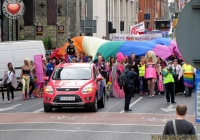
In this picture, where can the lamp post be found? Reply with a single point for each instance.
(160, 9)
(107, 34)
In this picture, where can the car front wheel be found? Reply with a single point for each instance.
(47, 109)
(101, 103)
(95, 105)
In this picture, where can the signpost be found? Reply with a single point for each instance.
(39, 30)
(187, 36)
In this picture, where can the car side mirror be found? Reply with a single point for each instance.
(46, 78)
(99, 78)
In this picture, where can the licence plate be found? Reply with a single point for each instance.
(67, 98)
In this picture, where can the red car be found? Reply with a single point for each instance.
(74, 85)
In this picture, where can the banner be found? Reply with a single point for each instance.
(165, 34)
(129, 37)
(137, 28)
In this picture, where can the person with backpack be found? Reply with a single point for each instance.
(128, 87)
(119, 67)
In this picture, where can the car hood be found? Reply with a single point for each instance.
(70, 83)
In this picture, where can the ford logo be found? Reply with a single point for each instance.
(67, 89)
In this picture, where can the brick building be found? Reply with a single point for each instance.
(149, 10)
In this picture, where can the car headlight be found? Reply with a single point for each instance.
(87, 89)
(49, 90)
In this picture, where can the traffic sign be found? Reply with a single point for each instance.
(187, 33)
(187, 37)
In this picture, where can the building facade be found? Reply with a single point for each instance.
(97, 13)
(151, 10)
(123, 10)
(63, 19)
(57, 19)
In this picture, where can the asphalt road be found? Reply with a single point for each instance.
(26, 120)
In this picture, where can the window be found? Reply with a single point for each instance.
(94, 26)
(59, 9)
(72, 74)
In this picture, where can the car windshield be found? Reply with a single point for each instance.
(72, 74)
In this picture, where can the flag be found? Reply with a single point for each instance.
(28, 14)
(134, 31)
(51, 12)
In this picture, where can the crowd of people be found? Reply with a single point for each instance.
(152, 75)
(155, 76)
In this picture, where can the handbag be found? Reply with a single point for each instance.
(5, 81)
(160, 84)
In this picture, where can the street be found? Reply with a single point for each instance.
(26, 120)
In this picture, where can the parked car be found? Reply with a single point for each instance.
(74, 85)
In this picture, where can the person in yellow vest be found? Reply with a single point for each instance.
(141, 68)
(168, 81)
(188, 78)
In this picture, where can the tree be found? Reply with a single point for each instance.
(47, 43)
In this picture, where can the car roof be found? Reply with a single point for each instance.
(75, 65)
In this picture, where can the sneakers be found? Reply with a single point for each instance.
(127, 110)
(31, 97)
(9, 102)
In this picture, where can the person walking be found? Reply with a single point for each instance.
(142, 82)
(179, 126)
(10, 82)
(188, 78)
(117, 91)
(50, 68)
(112, 61)
(128, 89)
(25, 78)
(168, 81)
(103, 69)
(151, 71)
(32, 75)
(134, 62)
(178, 72)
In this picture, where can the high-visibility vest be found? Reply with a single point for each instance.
(169, 78)
(188, 69)
(141, 70)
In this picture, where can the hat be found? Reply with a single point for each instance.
(120, 56)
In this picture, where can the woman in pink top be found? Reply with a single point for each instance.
(151, 71)
(116, 90)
